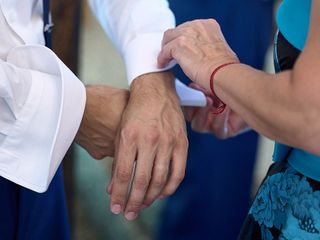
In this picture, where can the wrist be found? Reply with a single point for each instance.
(218, 104)
(155, 85)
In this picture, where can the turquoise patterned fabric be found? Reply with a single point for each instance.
(287, 207)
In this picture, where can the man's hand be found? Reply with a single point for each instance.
(203, 120)
(152, 133)
(104, 107)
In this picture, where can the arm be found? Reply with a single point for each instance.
(285, 107)
(152, 129)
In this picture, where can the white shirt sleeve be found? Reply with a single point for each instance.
(136, 28)
(42, 104)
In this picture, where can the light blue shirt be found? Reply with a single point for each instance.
(293, 22)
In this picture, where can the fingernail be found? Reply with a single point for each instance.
(130, 216)
(116, 209)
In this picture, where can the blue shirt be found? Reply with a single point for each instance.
(293, 22)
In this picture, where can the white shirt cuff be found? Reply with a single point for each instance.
(141, 55)
(34, 149)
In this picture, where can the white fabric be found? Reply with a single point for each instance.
(136, 28)
(41, 100)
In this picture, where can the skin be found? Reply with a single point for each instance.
(151, 134)
(101, 119)
(279, 106)
(147, 129)
(203, 120)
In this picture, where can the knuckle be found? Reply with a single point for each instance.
(167, 32)
(159, 182)
(197, 22)
(141, 181)
(169, 139)
(183, 140)
(123, 175)
(129, 134)
(213, 23)
(178, 178)
(152, 136)
(182, 41)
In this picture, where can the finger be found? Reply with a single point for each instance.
(169, 35)
(159, 174)
(202, 118)
(126, 154)
(171, 50)
(219, 124)
(109, 188)
(190, 112)
(141, 181)
(236, 124)
(165, 55)
(178, 168)
(110, 185)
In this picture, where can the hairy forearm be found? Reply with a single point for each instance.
(155, 86)
(273, 105)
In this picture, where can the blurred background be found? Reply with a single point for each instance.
(92, 56)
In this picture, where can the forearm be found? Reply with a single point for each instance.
(273, 105)
(286, 106)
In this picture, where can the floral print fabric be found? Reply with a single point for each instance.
(287, 207)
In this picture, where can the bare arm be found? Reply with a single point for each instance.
(285, 107)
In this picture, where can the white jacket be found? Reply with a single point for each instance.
(41, 100)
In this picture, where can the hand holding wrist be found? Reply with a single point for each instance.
(103, 111)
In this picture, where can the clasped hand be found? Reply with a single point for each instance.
(146, 134)
(199, 47)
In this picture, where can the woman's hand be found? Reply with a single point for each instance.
(199, 47)
(225, 125)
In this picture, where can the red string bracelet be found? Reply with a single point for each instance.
(217, 103)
